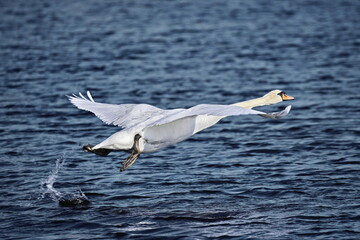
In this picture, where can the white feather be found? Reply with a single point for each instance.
(89, 96)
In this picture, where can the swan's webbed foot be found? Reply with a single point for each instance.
(133, 156)
(101, 151)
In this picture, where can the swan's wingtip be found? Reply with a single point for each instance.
(81, 97)
(287, 110)
(276, 115)
(89, 96)
(72, 97)
(284, 112)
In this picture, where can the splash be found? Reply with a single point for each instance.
(64, 199)
(47, 186)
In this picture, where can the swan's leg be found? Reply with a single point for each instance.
(133, 156)
(101, 151)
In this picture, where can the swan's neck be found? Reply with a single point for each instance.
(203, 122)
(257, 102)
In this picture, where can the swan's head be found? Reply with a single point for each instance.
(276, 96)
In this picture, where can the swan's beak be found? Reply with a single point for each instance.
(286, 97)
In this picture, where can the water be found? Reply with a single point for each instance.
(245, 178)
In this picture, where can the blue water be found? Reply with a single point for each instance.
(245, 178)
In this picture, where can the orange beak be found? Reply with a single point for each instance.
(286, 97)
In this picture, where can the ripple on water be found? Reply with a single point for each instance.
(244, 178)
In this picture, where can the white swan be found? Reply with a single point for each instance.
(147, 128)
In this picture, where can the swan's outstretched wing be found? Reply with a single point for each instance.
(216, 110)
(123, 115)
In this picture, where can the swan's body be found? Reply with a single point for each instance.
(148, 128)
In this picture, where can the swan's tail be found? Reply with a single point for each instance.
(101, 151)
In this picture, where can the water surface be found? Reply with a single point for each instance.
(245, 178)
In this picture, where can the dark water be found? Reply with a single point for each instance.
(245, 178)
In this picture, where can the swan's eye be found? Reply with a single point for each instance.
(281, 93)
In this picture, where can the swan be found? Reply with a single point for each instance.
(147, 128)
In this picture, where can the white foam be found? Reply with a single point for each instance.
(47, 185)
